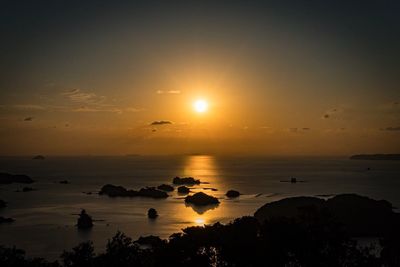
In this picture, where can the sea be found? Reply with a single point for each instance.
(45, 218)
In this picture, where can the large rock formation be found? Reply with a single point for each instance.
(40, 157)
(7, 178)
(3, 204)
(185, 180)
(119, 191)
(360, 216)
(201, 199)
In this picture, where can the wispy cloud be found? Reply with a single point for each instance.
(172, 92)
(77, 95)
(24, 107)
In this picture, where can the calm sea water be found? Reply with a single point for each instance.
(45, 218)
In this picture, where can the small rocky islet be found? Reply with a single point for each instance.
(85, 221)
(7, 178)
(183, 190)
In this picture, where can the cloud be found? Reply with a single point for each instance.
(392, 128)
(132, 109)
(172, 92)
(28, 119)
(306, 129)
(78, 96)
(24, 107)
(160, 122)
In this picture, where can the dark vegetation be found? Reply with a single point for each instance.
(317, 240)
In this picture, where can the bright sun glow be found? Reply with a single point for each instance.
(200, 105)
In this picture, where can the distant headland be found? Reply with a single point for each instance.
(376, 157)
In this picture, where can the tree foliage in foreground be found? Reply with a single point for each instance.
(316, 240)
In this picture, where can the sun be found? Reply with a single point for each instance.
(200, 105)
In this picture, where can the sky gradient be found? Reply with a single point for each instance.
(280, 77)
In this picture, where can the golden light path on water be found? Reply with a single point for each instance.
(201, 167)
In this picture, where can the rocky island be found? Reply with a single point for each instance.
(7, 178)
(185, 181)
(201, 199)
(120, 191)
(376, 157)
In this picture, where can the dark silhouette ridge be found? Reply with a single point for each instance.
(64, 182)
(119, 191)
(40, 157)
(201, 199)
(360, 216)
(183, 190)
(84, 221)
(6, 178)
(185, 181)
(376, 157)
(232, 194)
(165, 187)
(152, 213)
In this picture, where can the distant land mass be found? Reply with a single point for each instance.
(376, 157)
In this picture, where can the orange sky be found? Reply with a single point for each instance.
(275, 84)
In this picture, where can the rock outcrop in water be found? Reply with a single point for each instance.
(232, 193)
(84, 221)
(201, 199)
(152, 213)
(360, 216)
(183, 190)
(64, 182)
(39, 157)
(7, 178)
(185, 181)
(119, 191)
(6, 220)
(166, 187)
(3, 204)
